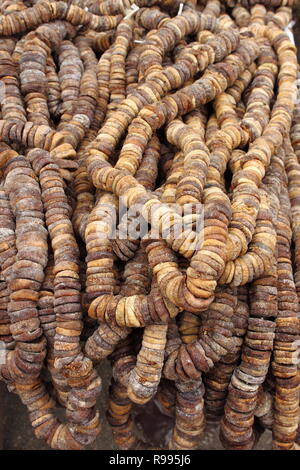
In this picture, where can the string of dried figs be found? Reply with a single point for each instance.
(149, 214)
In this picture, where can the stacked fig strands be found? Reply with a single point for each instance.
(183, 113)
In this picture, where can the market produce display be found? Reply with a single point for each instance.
(150, 214)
